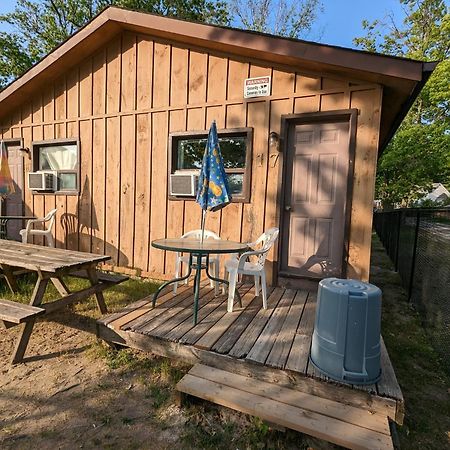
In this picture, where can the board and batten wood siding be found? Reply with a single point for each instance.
(122, 103)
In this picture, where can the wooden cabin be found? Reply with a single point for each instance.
(127, 101)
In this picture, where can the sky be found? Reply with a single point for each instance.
(341, 19)
(338, 25)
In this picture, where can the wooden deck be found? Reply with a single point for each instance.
(270, 345)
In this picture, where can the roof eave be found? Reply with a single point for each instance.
(245, 43)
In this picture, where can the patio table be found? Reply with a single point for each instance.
(197, 250)
(4, 223)
(51, 264)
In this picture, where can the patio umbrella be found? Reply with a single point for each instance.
(6, 182)
(213, 192)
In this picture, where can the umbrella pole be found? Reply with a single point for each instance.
(203, 223)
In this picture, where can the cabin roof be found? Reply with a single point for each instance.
(401, 78)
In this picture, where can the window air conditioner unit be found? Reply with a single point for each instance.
(183, 184)
(43, 181)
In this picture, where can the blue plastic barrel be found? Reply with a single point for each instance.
(346, 339)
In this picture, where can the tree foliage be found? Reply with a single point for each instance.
(41, 25)
(13, 60)
(291, 18)
(418, 155)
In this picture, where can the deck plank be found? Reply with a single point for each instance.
(229, 338)
(142, 309)
(184, 327)
(123, 312)
(193, 335)
(388, 385)
(280, 350)
(371, 388)
(179, 318)
(250, 335)
(313, 372)
(264, 343)
(224, 323)
(186, 302)
(159, 309)
(346, 413)
(293, 417)
(299, 355)
(164, 302)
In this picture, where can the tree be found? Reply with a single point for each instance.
(41, 25)
(13, 59)
(418, 156)
(289, 18)
(419, 153)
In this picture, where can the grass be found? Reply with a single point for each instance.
(157, 374)
(425, 384)
(116, 297)
(430, 293)
(211, 427)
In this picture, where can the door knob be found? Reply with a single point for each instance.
(287, 208)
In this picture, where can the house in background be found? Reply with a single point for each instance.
(127, 101)
(438, 195)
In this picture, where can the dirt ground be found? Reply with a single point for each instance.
(72, 391)
(68, 397)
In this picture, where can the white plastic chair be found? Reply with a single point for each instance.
(47, 233)
(242, 266)
(214, 262)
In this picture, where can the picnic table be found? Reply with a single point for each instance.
(50, 264)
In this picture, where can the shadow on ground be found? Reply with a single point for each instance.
(75, 392)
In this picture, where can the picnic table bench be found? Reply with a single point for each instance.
(50, 264)
(14, 313)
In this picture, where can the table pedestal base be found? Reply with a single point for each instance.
(198, 266)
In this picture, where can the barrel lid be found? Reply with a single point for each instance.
(349, 286)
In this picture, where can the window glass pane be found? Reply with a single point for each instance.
(190, 153)
(233, 151)
(67, 181)
(58, 157)
(235, 183)
(191, 150)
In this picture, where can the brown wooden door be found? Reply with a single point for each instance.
(315, 199)
(14, 202)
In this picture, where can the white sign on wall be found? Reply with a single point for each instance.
(257, 87)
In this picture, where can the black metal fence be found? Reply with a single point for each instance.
(418, 243)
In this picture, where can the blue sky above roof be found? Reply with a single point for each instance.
(338, 25)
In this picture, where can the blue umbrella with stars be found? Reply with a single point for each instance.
(213, 192)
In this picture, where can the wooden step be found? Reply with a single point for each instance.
(325, 419)
(16, 313)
